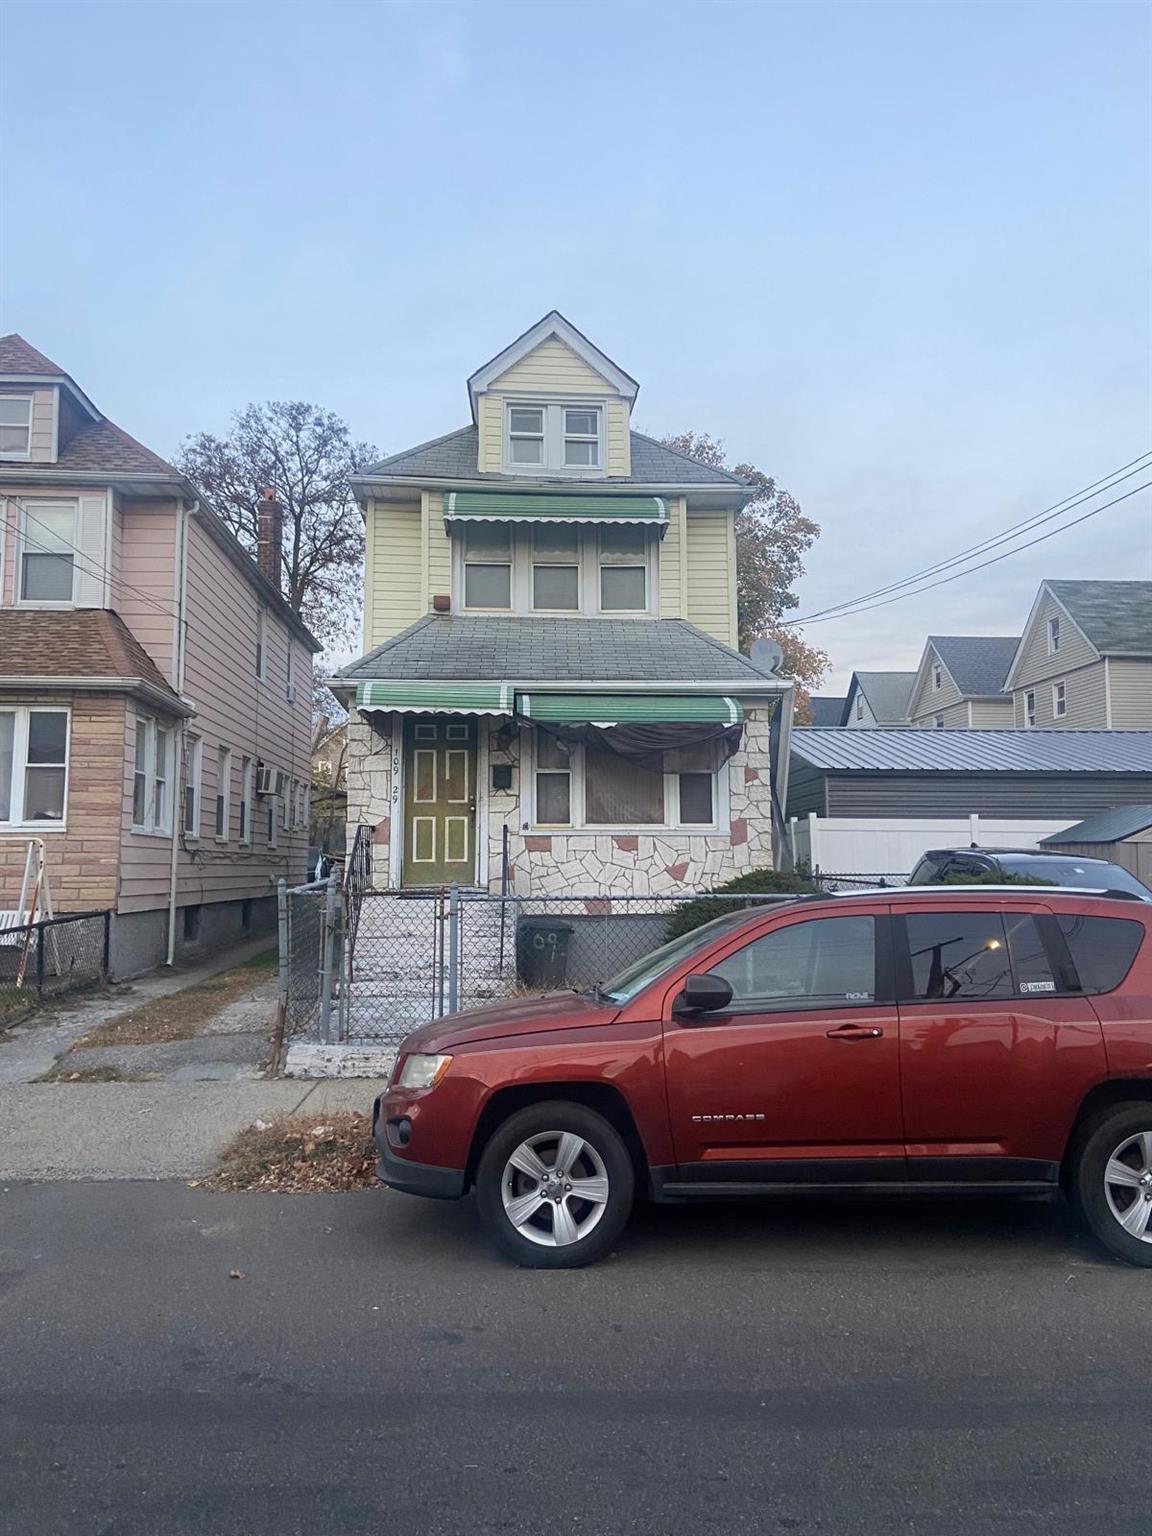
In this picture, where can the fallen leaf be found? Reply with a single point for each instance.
(236, 1274)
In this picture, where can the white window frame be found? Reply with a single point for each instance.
(937, 677)
(9, 455)
(261, 644)
(193, 778)
(286, 802)
(721, 803)
(273, 822)
(223, 793)
(246, 802)
(1053, 633)
(289, 676)
(158, 786)
(1059, 700)
(555, 437)
(588, 561)
(1029, 708)
(859, 706)
(27, 507)
(18, 786)
(937, 722)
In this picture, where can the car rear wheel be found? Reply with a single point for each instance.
(555, 1186)
(1112, 1182)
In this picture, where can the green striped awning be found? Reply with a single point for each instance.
(518, 507)
(436, 698)
(627, 709)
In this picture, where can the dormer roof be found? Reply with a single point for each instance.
(553, 326)
(22, 363)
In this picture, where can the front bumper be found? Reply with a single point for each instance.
(414, 1178)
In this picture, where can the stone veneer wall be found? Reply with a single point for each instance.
(582, 863)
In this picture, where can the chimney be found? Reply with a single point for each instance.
(269, 536)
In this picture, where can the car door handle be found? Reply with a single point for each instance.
(855, 1032)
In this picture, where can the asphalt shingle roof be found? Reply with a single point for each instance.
(1116, 616)
(20, 356)
(1027, 751)
(887, 693)
(978, 664)
(1105, 827)
(83, 642)
(826, 712)
(454, 457)
(474, 647)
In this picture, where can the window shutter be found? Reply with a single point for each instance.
(90, 587)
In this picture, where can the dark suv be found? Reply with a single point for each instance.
(958, 866)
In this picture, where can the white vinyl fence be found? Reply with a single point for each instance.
(859, 844)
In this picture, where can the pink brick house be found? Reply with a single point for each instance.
(155, 687)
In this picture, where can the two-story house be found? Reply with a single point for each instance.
(155, 688)
(551, 693)
(959, 683)
(1085, 658)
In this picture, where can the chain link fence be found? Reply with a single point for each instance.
(309, 934)
(50, 958)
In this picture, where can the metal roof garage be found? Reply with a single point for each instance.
(911, 773)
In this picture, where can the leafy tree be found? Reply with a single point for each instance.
(306, 455)
(772, 538)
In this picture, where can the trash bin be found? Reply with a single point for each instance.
(542, 952)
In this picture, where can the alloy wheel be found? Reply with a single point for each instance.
(1128, 1185)
(555, 1188)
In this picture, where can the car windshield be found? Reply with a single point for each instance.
(1077, 872)
(623, 987)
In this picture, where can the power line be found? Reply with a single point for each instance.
(971, 571)
(993, 541)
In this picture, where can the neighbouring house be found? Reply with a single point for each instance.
(329, 786)
(875, 800)
(824, 712)
(1123, 835)
(1085, 658)
(877, 698)
(155, 688)
(960, 683)
(551, 694)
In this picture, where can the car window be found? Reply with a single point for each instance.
(631, 981)
(927, 871)
(962, 865)
(958, 955)
(1031, 964)
(826, 962)
(1102, 948)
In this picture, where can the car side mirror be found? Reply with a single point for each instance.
(703, 994)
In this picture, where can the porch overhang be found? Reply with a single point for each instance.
(432, 697)
(520, 507)
(629, 709)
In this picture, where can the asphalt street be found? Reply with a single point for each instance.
(836, 1368)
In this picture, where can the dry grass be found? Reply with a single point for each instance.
(183, 1015)
(299, 1155)
(60, 1074)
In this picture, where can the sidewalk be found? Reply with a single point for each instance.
(147, 1130)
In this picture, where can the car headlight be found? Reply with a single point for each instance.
(422, 1071)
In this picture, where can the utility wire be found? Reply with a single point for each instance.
(993, 541)
(971, 570)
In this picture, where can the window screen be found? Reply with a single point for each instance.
(620, 793)
(958, 955)
(1103, 948)
(828, 962)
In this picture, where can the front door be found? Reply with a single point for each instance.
(439, 802)
(798, 1080)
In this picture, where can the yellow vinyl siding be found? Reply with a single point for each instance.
(927, 701)
(490, 422)
(669, 555)
(394, 571)
(437, 549)
(1131, 688)
(618, 446)
(1084, 697)
(711, 569)
(552, 368)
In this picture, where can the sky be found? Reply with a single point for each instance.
(898, 255)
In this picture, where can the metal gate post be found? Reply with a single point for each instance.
(282, 938)
(453, 948)
(327, 958)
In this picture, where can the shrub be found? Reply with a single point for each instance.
(993, 877)
(757, 882)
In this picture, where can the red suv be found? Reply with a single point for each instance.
(929, 1041)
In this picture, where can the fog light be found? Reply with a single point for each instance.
(399, 1132)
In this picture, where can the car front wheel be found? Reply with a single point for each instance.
(1112, 1182)
(555, 1186)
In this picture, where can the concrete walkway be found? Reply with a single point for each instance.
(147, 1130)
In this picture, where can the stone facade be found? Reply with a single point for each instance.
(578, 863)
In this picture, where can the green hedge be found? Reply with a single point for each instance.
(757, 882)
(993, 877)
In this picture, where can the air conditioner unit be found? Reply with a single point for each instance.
(270, 781)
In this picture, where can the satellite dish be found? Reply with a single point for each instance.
(767, 654)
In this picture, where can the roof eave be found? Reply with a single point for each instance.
(740, 495)
(54, 380)
(140, 687)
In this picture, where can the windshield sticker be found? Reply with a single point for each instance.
(1037, 986)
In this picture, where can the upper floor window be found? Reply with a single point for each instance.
(261, 646)
(938, 722)
(554, 438)
(15, 426)
(193, 764)
(47, 551)
(1030, 707)
(859, 706)
(1059, 700)
(33, 765)
(937, 677)
(1053, 634)
(556, 568)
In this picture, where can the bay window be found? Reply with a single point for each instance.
(33, 765)
(47, 548)
(152, 777)
(579, 787)
(556, 567)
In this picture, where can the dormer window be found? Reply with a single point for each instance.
(556, 439)
(1053, 634)
(15, 426)
(937, 678)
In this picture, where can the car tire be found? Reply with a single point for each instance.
(532, 1180)
(1111, 1181)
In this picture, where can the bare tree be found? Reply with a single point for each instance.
(307, 456)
